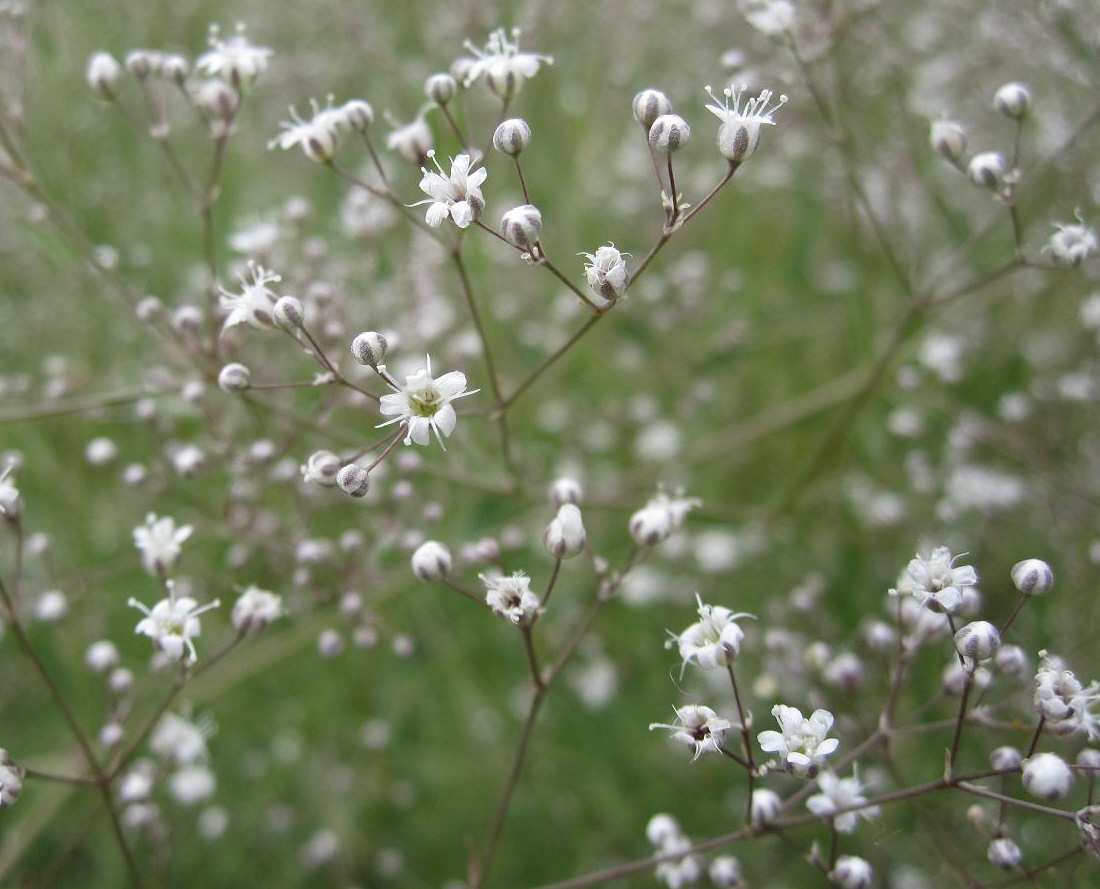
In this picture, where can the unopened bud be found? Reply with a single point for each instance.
(650, 104)
(175, 68)
(1004, 853)
(851, 872)
(1012, 100)
(521, 226)
(978, 640)
(11, 779)
(948, 140)
(358, 114)
(139, 62)
(564, 537)
(669, 133)
(321, 468)
(566, 490)
(103, 75)
(1046, 776)
(369, 348)
(431, 561)
(234, 377)
(1032, 577)
(288, 312)
(1005, 758)
(988, 170)
(353, 479)
(512, 136)
(440, 88)
(650, 525)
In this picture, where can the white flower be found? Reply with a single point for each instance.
(319, 136)
(841, 793)
(192, 784)
(1072, 243)
(235, 60)
(412, 140)
(565, 537)
(180, 740)
(423, 404)
(457, 195)
(504, 67)
(711, 642)
(698, 727)
(769, 17)
(851, 872)
(160, 542)
(739, 133)
(934, 581)
(11, 504)
(661, 516)
(172, 623)
(431, 561)
(511, 598)
(11, 779)
(255, 609)
(679, 872)
(802, 744)
(1046, 776)
(606, 272)
(1064, 702)
(254, 304)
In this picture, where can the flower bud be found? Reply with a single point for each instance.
(988, 170)
(978, 640)
(358, 114)
(101, 656)
(1046, 776)
(521, 226)
(440, 88)
(431, 561)
(1089, 758)
(650, 525)
(765, 806)
(512, 136)
(948, 140)
(175, 68)
(669, 133)
(564, 537)
(11, 779)
(353, 479)
(1004, 853)
(566, 490)
(322, 468)
(216, 101)
(369, 348)
(662, 829)
(140, 63)
(648, 105)
(725, 871)
(1012, 100)
(1005, 758)
(851, 872)
(104, 75)
(1011, 660)
(288, 312)
(1032, 577)
(234, 378)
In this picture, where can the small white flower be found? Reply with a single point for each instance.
(502, 65)
(511, 598)
(711, 642)
(1064, 702)
(160, 542)
(235, 60)
(606, 272)
(1046, 776)
(457, 195)
(172, 623)
(841, 793)
(934, 581)
(770, 17)
(1072, 243)
(181, 740)
(679, 872)
(739, 132)
(802, 744)
(319, 137)
(661, 516)
(431, 561)
(565, 537)
(423, 404)
(11, 779)
(697, 726)
(255, 609)
(192, 784)
(11, 504)
(254, 304)
(412, 140)
(852, 872)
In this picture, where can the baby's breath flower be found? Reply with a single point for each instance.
(234, 377)
(766, 805)
(431, 561)
(160, 543)
(988, 170)
(770, 17)
(948, 140)
(661, 516)
(423, 404)
(254, 304)
(1046, 776)
(648, 105)
(697, 726)
(564, 537)
(711, 642)
(606, 272)
(669, 133)
(801, 744)
(321, 468)
(181, 740)
(11, 779)
(172, 623)
(502, 65)
(413, 140)
(457, 195)
(255, 609)
(521, 226)
(1072, 243)
(512, 136)
(1004, 853)
(934, 581)
(104, 75)
(1064, 702)
(739, 132)
(1012, 100)
(841, 793)
(234, 60)
(851, 872)
(511, 598)
(319, 137)
(1032, 577)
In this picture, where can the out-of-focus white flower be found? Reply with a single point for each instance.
(412, 140)
(11, 779)
(713, 641)
(502, 65)
(739, 132)
(661, 516)
(423, 404)
(457, 195)
(192, 784)
(841, 793)
(851, 872)
(511, 598)
(1046, 776)
(256, 301)
(233, 60)
(180, 740)
(565, 537)
(697, 726)
(160, 543)
(802, 744)
(172, 623)
(1072, 242)
(1064, 702)
(319, 136)
(769, 17)
(255, 609)
(934, 581)
(104, 74)
(606, 272)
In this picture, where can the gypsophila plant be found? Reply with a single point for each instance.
(380, 391)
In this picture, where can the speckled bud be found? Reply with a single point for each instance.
(648, 105)
(669, 133)
(512, 136)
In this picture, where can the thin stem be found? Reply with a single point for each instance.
(549, 362)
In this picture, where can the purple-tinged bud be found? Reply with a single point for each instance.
(369, 348)
(353, 479)
(521, 226)
(1032, 577)
(988, 170)
(978, 640)
(1012, 100)
(104, 75)
(948, 140)
(648, 105)
(235, 378)
(669, 133)
(512, 136)
(440, 88)
(288, 312)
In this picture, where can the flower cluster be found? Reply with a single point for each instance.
(935, 582)
(801, 744)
